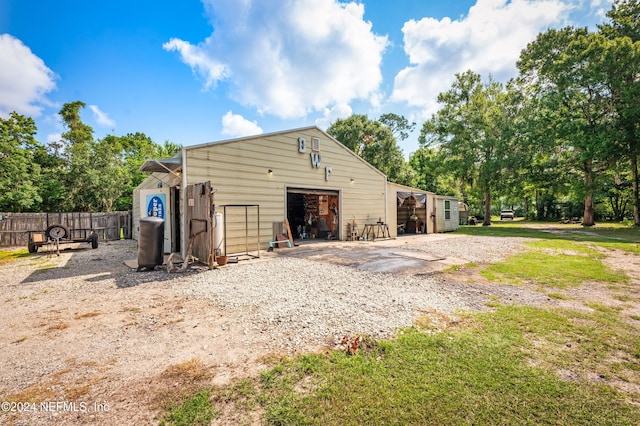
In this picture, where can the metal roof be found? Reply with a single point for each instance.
(163, 165)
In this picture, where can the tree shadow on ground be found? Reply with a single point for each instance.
(601, 233)
(97, 266)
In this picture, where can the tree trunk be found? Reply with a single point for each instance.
(634, 172)
(589, 219)
(487, 208)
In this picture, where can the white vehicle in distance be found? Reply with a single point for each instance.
(507, 214)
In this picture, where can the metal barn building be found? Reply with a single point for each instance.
(240, 194)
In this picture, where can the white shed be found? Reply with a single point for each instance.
(447, 213)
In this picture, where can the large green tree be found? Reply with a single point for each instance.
(100, 175)
(398, 124)
(19, 172)
(374, 142)
(136, 148)
(567, 68)
(429, 163)
(81, 177)
(543, 178)
(75, 173)
(622, 61)
(474, 131)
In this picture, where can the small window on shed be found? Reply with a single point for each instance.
(447, 210)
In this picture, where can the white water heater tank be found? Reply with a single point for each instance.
(218, 233)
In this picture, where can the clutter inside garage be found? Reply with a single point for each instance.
(412, 213)
(313, 215)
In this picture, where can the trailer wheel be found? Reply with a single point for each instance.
(56, 232)
(32, 248)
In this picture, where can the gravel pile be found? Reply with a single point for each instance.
(298, 301)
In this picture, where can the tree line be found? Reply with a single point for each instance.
(562, 139)
(76, 173)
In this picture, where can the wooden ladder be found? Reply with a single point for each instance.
(353, 231)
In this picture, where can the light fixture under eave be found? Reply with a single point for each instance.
(352, 180)
(270, 172)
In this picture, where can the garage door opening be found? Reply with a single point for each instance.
(412, 213)
(313, 214)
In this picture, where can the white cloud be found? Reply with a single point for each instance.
(101, 117)
(54, 137)
(24, 78)
(487, 41)
(198, 60)
(332, 114)
(236, 125)
(288, 58)
(600, 7)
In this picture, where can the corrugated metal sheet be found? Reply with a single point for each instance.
(199, 221)
(259, 170)
(239, 172)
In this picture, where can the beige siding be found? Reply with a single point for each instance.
(432, 213)
(238, 171)
(392, 210)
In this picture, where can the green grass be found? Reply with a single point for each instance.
(558, 296)
(513, 365)
(10, 255)
(554, 263)
(631, 248)
(481, 373)
(196, 410)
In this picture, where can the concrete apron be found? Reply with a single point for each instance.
(376, 256)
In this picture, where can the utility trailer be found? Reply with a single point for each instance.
(60, 234)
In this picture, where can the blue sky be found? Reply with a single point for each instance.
(194, 71)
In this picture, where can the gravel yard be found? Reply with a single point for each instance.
(85, 327)
(309, 301)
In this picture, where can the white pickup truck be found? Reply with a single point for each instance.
(507, 214)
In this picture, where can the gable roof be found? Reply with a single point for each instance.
(283, 132)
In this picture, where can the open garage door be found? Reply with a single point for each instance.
(314, 213)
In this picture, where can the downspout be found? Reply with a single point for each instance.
(183, 206)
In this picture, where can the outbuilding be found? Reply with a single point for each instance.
(415, 211)
(239, 196)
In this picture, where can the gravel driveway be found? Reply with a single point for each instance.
(84, 326)
(311, 296)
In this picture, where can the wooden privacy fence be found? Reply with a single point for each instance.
(15, 227)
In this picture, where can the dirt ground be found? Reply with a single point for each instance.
(87, 340)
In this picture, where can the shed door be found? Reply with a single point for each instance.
(199, 230)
